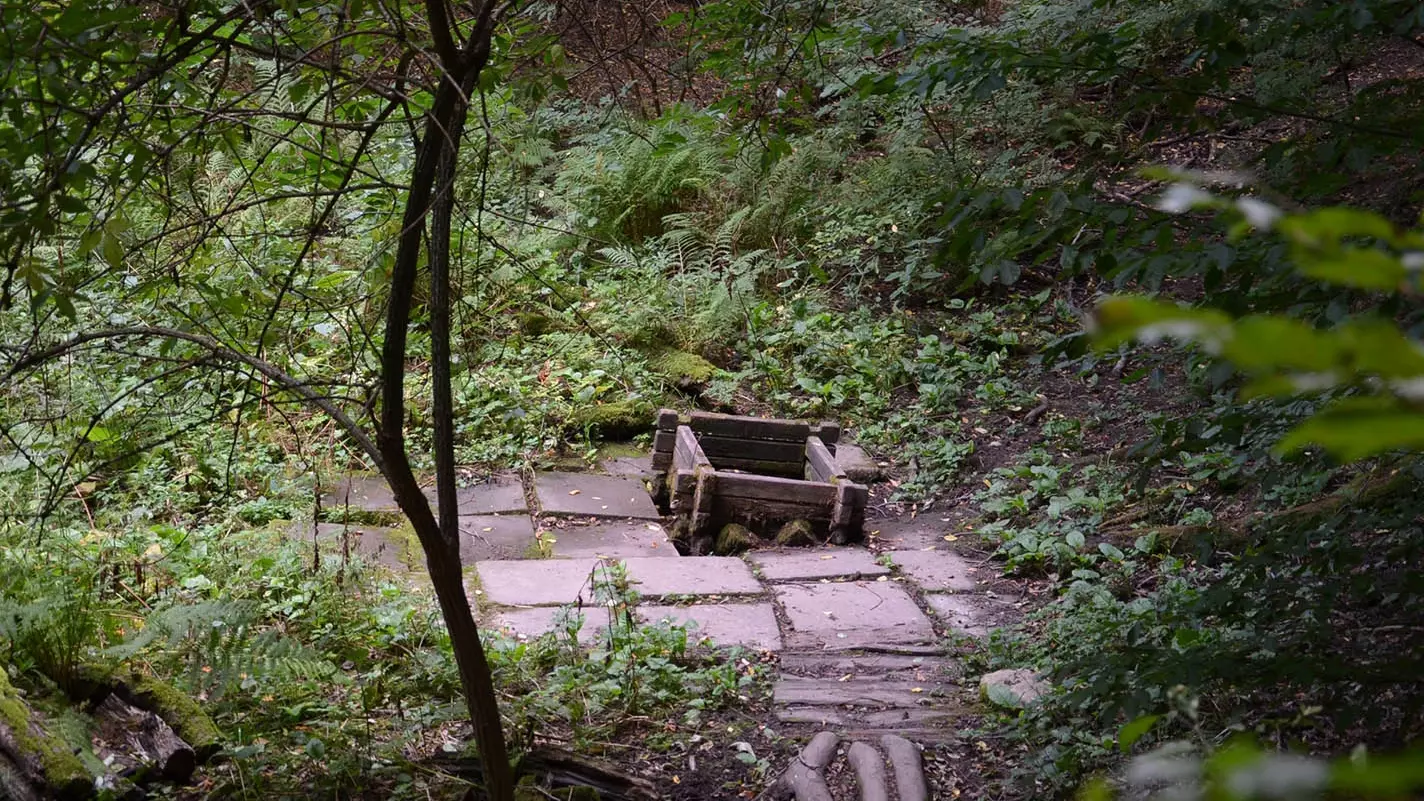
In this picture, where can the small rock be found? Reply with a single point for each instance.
(857, 466)
(1012, 689)
(733, 539)
(796, 534)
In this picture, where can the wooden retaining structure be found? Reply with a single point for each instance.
(721, 469)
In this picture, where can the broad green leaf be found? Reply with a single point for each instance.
(1120, 319)
(1397, 775)
(1263, 343)
(1129, 734)
(1357, 428)
(1326, 227)
(1363, 268)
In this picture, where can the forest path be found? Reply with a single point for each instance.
(858, 633)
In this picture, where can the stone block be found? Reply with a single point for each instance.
(701, 575)
(747, 625)
(817, 563)
(852, 615)
(936, 571)
(591, 495)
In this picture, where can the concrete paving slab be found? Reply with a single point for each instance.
(361, 493)
(536, 582)
(699, 575)
(535, 621)
(747, 625)
(373, 543)
(803, 564)
(620, 539)
(890, 667)
(484, 537)
(936, 570)
(631, 466)
(841, 616)
(502, 493)
(974, 614)
(870, 692)
(911, 533)
(588, 494)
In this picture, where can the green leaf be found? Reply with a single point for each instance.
(1129, 734)
(1263, 343)
(1363, 268)
(112, 250)
(1120, 319)
(1398, 775)
(1326, 227)
(1357, 428)
(1110, 551)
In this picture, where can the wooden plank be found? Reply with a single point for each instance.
(727, 425)
(772, 488)
(820, 463)
(830, 434)
(664, 441)
(662, 460)
(668, 420)
(760, 510)
(688, 452)
(759, 467)
(683, 482)
(758, 449)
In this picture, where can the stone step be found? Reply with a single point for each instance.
(872, 693)
(893, 667)
(851, 616)
(616, 539)
(592, 495)
(552, 582)
(498, 494)
(749, 625)
(810, 564)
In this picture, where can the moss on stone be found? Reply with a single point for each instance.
(733, 539)
(618, 420)
(179, 710)
(533, 323)
(796, 534)
(62, 770)
(408, 548)
(681, 367)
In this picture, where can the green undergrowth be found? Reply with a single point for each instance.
(326, 675)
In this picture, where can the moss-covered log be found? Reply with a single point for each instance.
(177, 709)
(42, 757)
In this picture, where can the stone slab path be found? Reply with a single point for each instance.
(859, 636)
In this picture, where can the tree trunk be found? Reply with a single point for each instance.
(431, 190)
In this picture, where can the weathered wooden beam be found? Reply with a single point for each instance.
(761, 449)
(688, 451)
(768, 511)
(772, 488)
(668, 420)
(703, 498)
(829, 433)
(727, 425)
(761, 467)
(820, 464)
(664, 441)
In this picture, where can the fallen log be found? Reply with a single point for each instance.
(42, 759)
(140, 744)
